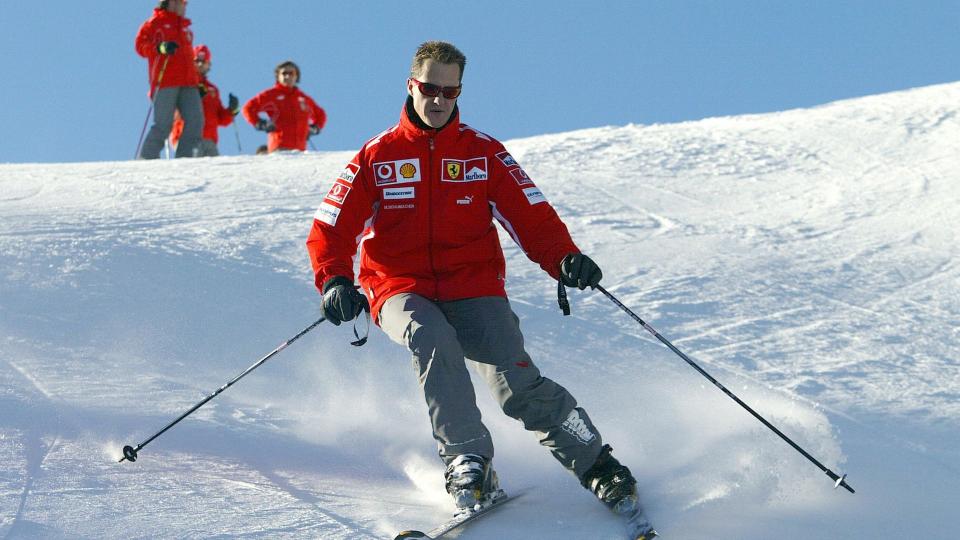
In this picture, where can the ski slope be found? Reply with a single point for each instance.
(808, 259)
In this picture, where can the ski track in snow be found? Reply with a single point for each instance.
(807, 259)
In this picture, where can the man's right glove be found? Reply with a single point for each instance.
(342, 301)
(312, 130)
(167, 47)
(265, 125)
(233, 104)
(578, 270)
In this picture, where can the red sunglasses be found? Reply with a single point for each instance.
(432, 90)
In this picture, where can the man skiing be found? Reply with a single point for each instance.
(166, 41)
(215, 114)
(292, 115)
(420, 198)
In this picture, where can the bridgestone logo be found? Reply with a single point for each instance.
(575, 426)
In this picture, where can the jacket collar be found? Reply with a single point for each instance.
(295, 90)
(164, 14)
(413, 127)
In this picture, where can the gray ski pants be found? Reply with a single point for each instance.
(440, 335)
(185, 99)
(206, 148)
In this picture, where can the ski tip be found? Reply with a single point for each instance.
(410, 534)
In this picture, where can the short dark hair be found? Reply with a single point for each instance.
(438, 51)
(286, 64)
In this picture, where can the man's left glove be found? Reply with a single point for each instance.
(578, 270)
(314, 130)
(233, 104)
(342, 301)
(167, 47)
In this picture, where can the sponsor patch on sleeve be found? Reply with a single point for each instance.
(507, 159)
(534, 195)
(521, 177)
(327, 213)
(401, 171)
(349, 173)
(338, 193)
(464, 170)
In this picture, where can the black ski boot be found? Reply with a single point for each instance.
(612, 483)
(471, 480)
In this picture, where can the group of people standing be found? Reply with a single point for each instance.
(187, 107)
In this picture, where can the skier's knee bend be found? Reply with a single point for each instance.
(541, 405)
(434, 341)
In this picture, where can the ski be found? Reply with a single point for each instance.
(498, 499)
(639, 527)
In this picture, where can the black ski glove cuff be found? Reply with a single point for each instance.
(578, 270)
(342, 301)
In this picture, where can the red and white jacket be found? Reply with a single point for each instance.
(215, 115)
(292, 113)
(167, 26)
(421, 204)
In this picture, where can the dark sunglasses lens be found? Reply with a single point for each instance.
(429, 90)
(451, 92)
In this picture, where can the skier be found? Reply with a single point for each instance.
(166, 41)
(422, 196)
(214, 113)
(292, 116)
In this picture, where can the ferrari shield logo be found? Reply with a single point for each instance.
(453, 169)
(464, 170)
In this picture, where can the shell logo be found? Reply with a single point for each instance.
(408, 170)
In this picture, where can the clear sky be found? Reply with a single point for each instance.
(73, 88)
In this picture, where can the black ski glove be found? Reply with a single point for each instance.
(167, 47)
(202, 88)
(314, 130)
(578, 270)
(342, 301)
(265, 125)
(233, 104)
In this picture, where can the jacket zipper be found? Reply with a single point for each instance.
(429, 175)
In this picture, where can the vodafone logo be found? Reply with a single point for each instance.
(400, 171)
(338, 193)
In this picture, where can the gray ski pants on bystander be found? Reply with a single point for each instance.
(441, 335)
(185, 99)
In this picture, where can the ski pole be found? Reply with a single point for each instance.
(130, 452)
(153, 101)
(236, 131)
(838, 479)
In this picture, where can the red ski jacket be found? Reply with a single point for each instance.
(168, 26)
(421, 204)
(215, 114)
(292, 112)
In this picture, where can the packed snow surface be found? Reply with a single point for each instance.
(807, 259)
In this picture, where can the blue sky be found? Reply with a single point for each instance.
(75, 90)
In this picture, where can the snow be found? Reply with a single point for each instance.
(807, 259)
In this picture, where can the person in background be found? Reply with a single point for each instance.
(291, 115)
(215, 114)
(423, 197)
(166, 41)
